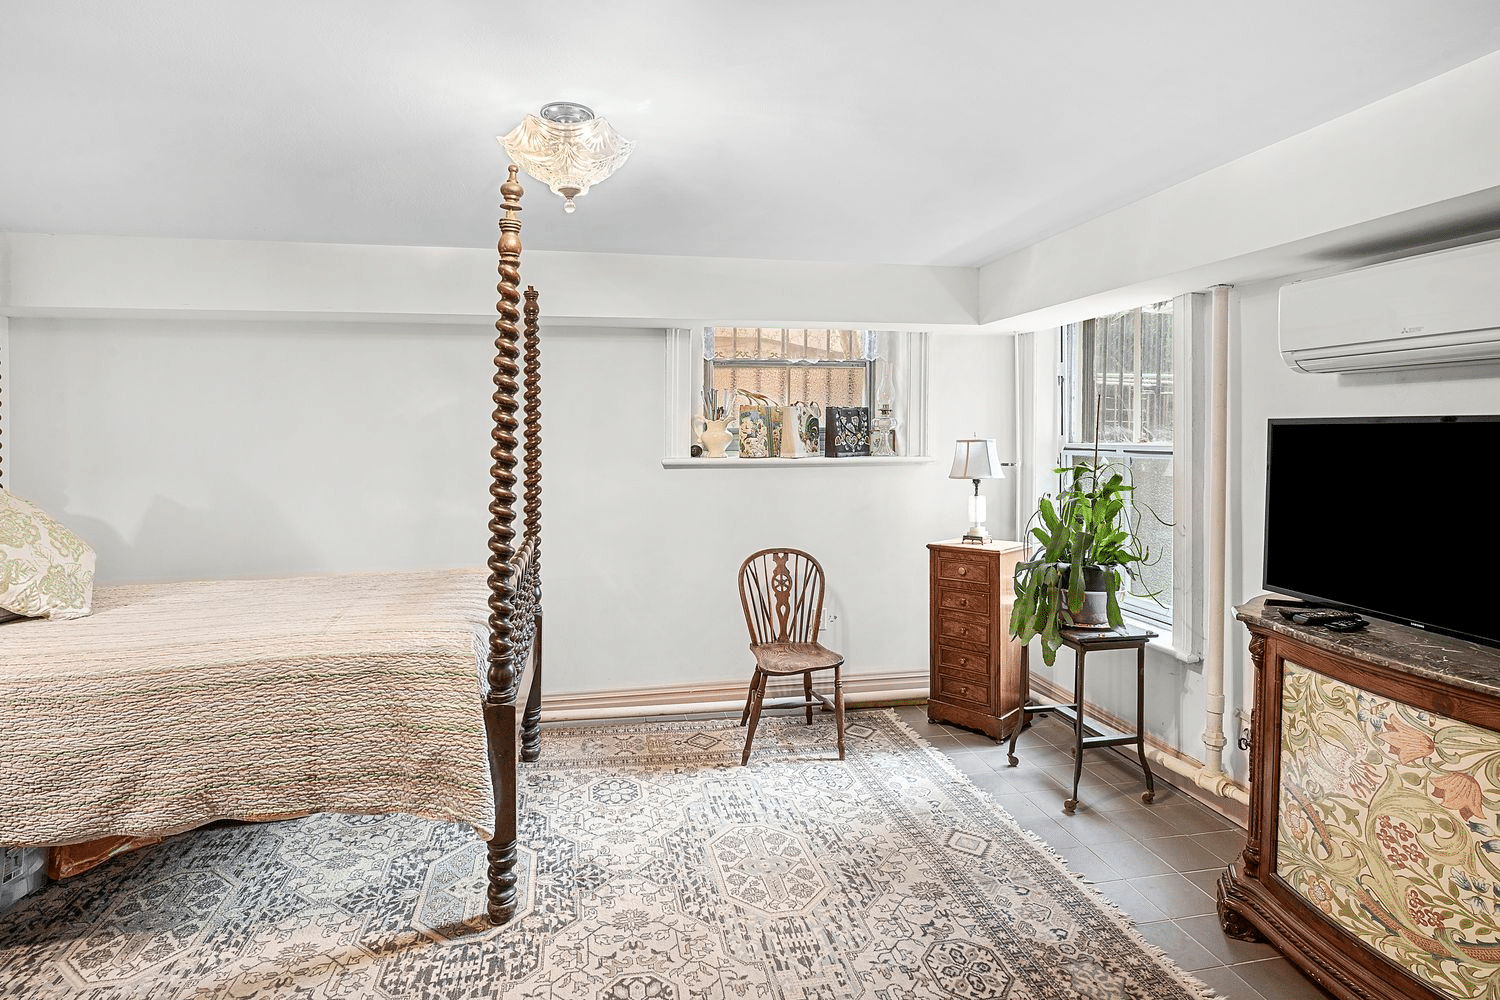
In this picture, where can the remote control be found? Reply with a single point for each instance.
(1322, 616)
(1347, 625)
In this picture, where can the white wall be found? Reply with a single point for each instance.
(1415, 167)
(49, 275)
(4, 396)
(192, 448)
(1416, 170)
(186, 448)
(1264, 388)
(202, 408)
(639, 561)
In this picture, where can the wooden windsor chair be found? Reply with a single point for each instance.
(781, 591)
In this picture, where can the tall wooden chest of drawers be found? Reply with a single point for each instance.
(977, 680)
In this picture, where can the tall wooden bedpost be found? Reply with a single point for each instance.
(531, 732)
(500, 694)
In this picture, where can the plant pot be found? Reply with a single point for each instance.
(1095, 610)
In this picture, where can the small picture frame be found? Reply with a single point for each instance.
(846, 431)
(755, 432)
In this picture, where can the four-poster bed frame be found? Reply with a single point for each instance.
(427, 628)
(515, 651)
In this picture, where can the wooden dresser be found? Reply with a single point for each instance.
(976, 671)
(1374, 773)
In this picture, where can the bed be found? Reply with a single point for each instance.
(173, 705)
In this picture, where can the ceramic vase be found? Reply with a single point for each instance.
(714, 435)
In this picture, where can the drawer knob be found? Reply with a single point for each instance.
(963, 602)
(963, 661)
(963, 571)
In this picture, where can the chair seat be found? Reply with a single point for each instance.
(794, 657)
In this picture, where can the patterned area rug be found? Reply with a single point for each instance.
(655, 868)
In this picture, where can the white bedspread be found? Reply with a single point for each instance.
(176, 704)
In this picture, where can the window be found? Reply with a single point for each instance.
(1119, 402)
(881, 370)
(827, 367)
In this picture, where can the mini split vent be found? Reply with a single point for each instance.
(1439, 308)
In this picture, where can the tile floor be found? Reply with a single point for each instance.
(1159, 863)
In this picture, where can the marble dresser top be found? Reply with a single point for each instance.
(1401, 647)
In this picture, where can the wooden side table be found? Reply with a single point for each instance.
(1086, 737)
(975, 679)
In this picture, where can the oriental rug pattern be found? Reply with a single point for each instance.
(654, 868)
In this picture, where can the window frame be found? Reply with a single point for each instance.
(1190, 348)
(1076, 446)
(869, 366)
(906, 350)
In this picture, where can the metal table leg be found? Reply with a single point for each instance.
(1071, 803)
(1140, 721)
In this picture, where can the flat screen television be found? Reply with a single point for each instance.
(1392, 517)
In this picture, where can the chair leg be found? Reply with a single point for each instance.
(750, 695)
(757, 693)
(807, 696)
(838, 707)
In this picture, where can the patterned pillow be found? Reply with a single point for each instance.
(46, 571)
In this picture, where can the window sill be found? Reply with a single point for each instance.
(1163, 641)
(859, 461)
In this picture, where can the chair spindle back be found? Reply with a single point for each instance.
(781, 591)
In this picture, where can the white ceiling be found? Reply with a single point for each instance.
(935, 133)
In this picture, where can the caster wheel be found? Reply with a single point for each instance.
(1069, 805)
(1148, 797)
(1013, 760)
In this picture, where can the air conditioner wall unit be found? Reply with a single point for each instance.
(1438, 308)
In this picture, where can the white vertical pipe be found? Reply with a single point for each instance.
(1019, 379)
(1212, 776)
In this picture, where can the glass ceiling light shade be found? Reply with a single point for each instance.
(568, 148)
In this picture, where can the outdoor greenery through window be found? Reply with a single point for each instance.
(1118, 399)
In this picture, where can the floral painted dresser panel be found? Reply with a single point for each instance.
(1389, 823)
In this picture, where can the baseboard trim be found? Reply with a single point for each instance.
(861, 690)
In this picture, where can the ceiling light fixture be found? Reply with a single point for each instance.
(568, 148)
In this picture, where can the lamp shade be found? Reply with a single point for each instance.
(568, 148)
(976, 458)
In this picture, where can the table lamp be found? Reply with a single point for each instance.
(976, 459)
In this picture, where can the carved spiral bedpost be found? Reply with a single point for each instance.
(533, 383)
(500, 696)
(531, 722)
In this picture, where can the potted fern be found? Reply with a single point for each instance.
(1086, 550)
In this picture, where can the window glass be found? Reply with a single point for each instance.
(1120, 378)
(1118, 407)
(827, 367)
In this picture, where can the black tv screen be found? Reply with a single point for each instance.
(1393, 517)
